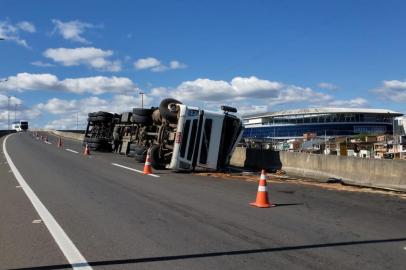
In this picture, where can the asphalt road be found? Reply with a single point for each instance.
(120, 219)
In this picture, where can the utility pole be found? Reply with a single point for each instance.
(8, 113)
(142, 99)
(15, 112)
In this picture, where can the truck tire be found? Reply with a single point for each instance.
(105, 114)
(97, 140)
(166, 113)
(157, 161)
(92, 119)
(103, 118)
(143, 112)
(141, 119)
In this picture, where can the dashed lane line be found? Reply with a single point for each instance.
(72, 254)
(135, 170)
(73, 151)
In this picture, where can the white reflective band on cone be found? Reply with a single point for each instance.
(262, 188)
(263, 177)
(148, 163)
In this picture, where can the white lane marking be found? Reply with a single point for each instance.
(72, 254)
(47, 142)
(73, 151)
(135, 170)
(36, 221)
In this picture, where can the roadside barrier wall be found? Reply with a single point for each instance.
(69, 135)
(5, 132)
(389, 174)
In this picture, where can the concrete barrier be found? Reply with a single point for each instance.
(6, 132)
(68, 135)
(388, 174)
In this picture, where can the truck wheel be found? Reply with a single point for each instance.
(168, 110)
(157, 160)
(143, 112)
(141, 119)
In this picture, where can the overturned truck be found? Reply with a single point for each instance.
(179, 137)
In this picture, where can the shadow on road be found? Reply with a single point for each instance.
(287, 204)
(211, 254)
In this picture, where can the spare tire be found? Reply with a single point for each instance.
(157, 161)
(168, 111)
(143, 112)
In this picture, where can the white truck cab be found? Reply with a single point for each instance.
(204, 140)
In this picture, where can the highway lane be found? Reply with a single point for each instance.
(120, 219)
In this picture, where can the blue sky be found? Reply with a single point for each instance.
(61, 59)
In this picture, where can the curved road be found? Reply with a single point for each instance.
(118, 218)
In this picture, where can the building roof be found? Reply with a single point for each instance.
(322, 111)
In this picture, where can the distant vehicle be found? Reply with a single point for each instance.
(19, 126)
(180, 137)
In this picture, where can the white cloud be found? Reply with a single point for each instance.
(27, 26)
(89, 56)
(241, 89)
(329, 86)
(41, 64)
(394, 90)
(156, 65)
(93, 85)
(356, 103)
(176, 65)
(147, 63)
(68, 110)
(72, 30)
(11, 32)
(4, 101)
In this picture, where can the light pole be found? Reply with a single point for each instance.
(8, 113)
(15, 112)
(77, 120)
(142, 99)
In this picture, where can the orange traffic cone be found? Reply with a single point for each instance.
(147, 166)
(59, 142)
(262, 194)
(87, 151)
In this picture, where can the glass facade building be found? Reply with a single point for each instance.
(329, 121)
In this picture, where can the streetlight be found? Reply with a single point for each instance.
(142, 99)
(8, 104)
(15, 112)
